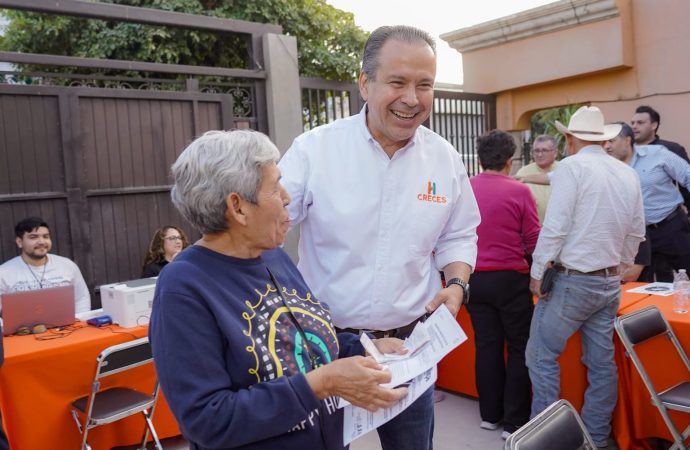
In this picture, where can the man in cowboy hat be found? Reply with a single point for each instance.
(593, 226)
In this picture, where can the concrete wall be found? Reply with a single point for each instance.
(640, 56)
(284, 103)
(283, 93)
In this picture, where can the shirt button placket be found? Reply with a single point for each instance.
(384, 239)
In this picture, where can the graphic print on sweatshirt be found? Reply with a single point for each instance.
(276, 342)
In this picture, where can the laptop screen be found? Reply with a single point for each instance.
(52, 307)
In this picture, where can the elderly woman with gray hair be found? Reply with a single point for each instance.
(246, 356)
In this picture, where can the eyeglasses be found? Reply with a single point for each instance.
(542, 151)
(173, 238)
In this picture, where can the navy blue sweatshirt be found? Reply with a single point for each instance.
(231, 357)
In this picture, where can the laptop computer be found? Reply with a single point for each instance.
(52, 307)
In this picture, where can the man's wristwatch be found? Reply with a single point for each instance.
(464, 286)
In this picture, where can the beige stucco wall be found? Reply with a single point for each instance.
(641, 56)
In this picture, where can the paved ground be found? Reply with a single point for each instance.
(456, 428)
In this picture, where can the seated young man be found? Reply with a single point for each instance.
(36, 268)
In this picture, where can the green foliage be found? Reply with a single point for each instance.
(329, 43)
(542, 122)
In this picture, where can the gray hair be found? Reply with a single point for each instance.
(546, 138)
(215, 165)
(381, 35)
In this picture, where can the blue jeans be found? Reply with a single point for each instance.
(412, 429)
(588, 304)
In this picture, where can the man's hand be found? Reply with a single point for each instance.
(357, 380)
(390, 345)
(535, 287)
(451, 296)
(630, 273)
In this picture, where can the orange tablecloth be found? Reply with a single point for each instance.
(456, 370)
(40, 379)
(636, 419)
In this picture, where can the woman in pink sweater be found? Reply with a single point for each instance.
(501, 304)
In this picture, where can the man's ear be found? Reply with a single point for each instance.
(236, 208)
(18, 241)
(655, 125)
(363, 86)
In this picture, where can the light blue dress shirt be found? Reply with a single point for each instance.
(658, 168)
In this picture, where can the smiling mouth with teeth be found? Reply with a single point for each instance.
(403, 115)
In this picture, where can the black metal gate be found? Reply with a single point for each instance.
(460, 117)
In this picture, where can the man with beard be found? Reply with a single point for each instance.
(645, 124)
(36, 268)
(667, 223)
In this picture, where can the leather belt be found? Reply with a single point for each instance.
(606, 272)
(400, 333)
(667, 219)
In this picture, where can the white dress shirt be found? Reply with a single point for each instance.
(375, 231)
(595, 217)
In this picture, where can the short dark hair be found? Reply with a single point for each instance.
(28, 225)
(653, 114)
(494, 149)
(381, 35)
(626, 131)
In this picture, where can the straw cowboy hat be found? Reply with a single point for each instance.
(588, 124)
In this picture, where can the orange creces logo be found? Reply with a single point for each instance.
(431, 195)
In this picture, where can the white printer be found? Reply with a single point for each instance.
(129, 303)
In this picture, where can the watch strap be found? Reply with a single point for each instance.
(463, 285)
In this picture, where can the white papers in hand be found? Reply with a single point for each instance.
(438, 335)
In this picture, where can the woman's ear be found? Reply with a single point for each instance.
(236, 208)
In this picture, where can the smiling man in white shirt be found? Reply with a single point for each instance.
(384, 205)
(593, 226)
(37, 268)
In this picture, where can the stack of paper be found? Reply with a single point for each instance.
(429, 342)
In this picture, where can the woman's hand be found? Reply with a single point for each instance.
(357, 380)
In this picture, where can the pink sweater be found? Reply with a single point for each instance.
(510, 225)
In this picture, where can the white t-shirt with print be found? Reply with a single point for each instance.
(16, 275)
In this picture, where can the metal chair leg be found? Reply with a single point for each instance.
(85, 445)
(150, 427)
(148, 416)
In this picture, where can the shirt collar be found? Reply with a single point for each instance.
(362, 120)
(640, 151)
(592, 149)
(643, 150)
